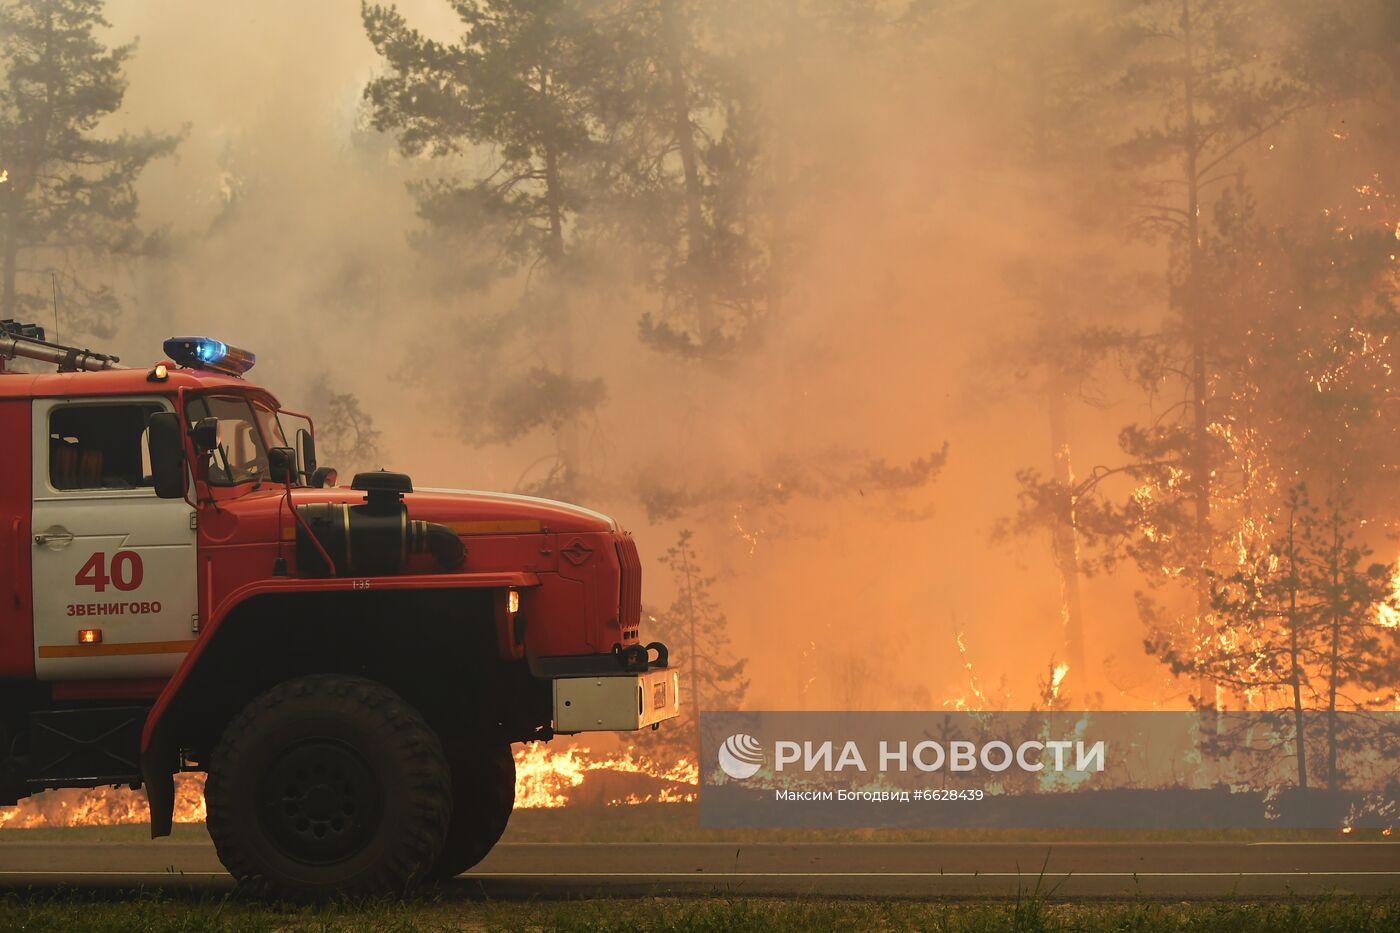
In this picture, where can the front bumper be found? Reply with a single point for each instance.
(620, 702)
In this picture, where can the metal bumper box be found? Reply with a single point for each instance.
(615, 703)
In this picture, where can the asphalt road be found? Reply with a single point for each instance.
(1078, 869)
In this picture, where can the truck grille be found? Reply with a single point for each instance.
(630, 593)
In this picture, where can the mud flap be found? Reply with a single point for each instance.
(158, 776)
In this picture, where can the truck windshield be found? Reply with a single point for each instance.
(246, 430)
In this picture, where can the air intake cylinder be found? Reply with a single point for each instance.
(373, 539)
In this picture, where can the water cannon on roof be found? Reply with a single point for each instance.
(27, 341)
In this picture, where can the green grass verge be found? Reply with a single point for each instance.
(56, 911)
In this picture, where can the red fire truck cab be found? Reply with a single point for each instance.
(191, 591)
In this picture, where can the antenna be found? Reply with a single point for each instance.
(53, 278)
(27, 341)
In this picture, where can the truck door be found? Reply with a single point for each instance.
(113, 566)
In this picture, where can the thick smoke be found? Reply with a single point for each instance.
(287, 230)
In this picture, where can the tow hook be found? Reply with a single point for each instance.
(633, 658)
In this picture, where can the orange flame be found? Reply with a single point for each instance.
(548, 778)
(102, 806)
(545, 777)
(1388, 613)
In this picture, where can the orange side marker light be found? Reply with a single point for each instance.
(89, 636)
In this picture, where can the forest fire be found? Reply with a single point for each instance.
(545, 778)
(1002, 374)
(102, 806)
(1388, 613)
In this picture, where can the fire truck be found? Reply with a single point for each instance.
(189, 590)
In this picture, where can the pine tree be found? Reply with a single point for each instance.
(1215, 92)
(1046, 102)
(1212, 82)
(1265, 624)
(697, 632)
(683, 183)
(1301, 621)
(67, 194)
(346, 437)
(1356, 646)
(519, 88)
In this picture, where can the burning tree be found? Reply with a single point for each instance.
(67, 195)
(1301, 621)
(1216, 88)
(1358, 645)
(1199, 472)
(1078, 297)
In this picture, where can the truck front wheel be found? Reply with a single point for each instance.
(328, 786)
(483, 795)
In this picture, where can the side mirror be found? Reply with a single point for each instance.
(165, 444)
(306, 448)
(282, 465)
(321, 477)
(205, 434)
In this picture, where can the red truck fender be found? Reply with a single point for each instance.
(158, 748)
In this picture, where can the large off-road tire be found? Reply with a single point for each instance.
(483, 796)
(328, 786)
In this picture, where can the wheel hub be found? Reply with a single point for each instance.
(320, 801)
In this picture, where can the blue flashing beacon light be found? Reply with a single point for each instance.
(208, 353)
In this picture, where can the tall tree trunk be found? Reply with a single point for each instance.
(1193, 311)
(697, 680)
(554, 241)
(780, 238)
(566, 439)
(1064, 537)
(676, 38)
(1295, 677)
(1334, 661)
